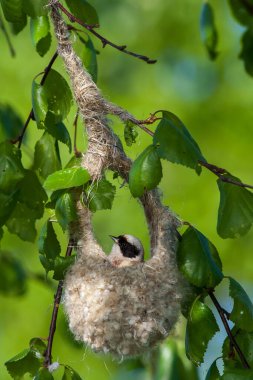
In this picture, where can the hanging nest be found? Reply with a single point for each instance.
(120, 310)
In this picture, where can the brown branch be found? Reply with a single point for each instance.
(219, 172)
(57, 300)
(228, 331)
(76, 151)
(103, 40)
(30, 117)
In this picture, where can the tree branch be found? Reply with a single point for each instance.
(233, 342)
(57, 300)
(103, 40)
(30, 117)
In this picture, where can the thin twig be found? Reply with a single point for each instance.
(57, 300)
(103, 40)
(76, 151)
(221, 173)
(30, 117)
(7, 37)
(228, 331)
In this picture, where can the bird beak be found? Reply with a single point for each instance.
(114, 238)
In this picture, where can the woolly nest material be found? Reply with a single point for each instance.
(123, 311)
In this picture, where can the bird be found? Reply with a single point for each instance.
(127, 250)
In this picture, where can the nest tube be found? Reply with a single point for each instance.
(123, 311)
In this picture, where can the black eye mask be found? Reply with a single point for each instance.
(127, 249)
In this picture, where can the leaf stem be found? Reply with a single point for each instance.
(30, 117)
(233, 342)
(219, 172)
(103, 40)
(76, 151)
(57, 300)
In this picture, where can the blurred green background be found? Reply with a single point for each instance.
(213, 99)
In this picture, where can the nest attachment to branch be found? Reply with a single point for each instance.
(127, 310)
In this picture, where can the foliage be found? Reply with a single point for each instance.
(46, 188)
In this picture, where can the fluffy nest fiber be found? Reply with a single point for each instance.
(123, 311)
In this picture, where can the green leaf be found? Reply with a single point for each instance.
(54, 96)
(100, 195)
(13, 11)
(38, 346)
(245, 342)
(88, 55)
(213, 373)
(201, 327)
(235, 215)
(10, 123)
(22, 222)
(24, 362)
(40, 33)
(175, 143)
(146, 172)
(242, 313)
(35, 8)
(13, 277)
(238, 374)
(130, 133)
(57, 130)
(74, 162)
(66, 178)
(65, 210)
(246, 51)
(199, 260)
(49, 246)
(43, 374)
(208, 30)
(7, 203)
(61, 266)
(70, 374)
(18, 26)
(32, 193)
(46, 156)
(11, 169)
(169, 364)
(241, 11)
(83, 11)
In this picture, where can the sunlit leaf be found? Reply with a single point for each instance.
(83, 11)
(146, 172)
(235, 215)
(65, 210)
(61, 266)
(13, 276)
(11, 169)
(46, 156)
(40, 33)
(24, 362)
(201, 327)
(175, 143)
(53, 96)
(199, 260)
(208, 30)
(242, 313)
(70, 374)
(130, 133)
(66, 178)
(100, 195)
